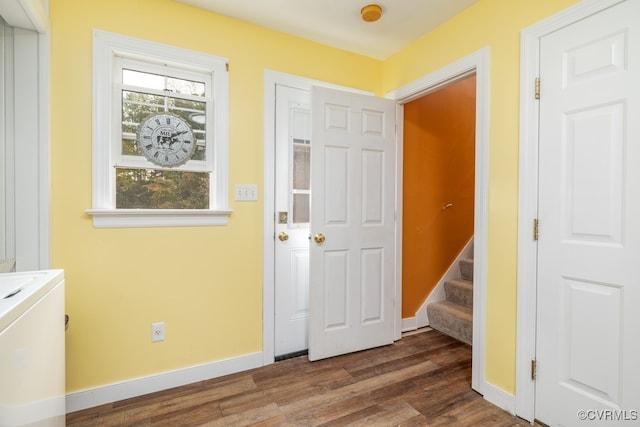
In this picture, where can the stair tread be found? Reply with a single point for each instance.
(452, 319)
(458, 310)
(463, 282)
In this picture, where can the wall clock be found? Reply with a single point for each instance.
(166, 139)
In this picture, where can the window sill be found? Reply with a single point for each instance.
(125, 218)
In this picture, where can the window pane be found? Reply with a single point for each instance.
(195, 114)
(301, 167)
(161, 82)
(301, 125)
(137, 106)
(161, 189)
(300, 208)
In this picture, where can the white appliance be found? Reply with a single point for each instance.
(32, 366)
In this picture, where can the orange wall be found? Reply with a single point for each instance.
(439, 147)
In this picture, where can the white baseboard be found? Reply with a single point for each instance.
(89, 398)
(421, 319)
(409, 324)
(499, 397)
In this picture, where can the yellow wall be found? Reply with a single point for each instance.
(496, 24)
(206, 283)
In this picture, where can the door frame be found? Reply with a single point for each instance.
(271, 79)
(528, 194)
(479, 63)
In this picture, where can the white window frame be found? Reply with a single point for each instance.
(107, 47)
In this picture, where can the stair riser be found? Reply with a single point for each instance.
(459, 293)
(456, 324)
(466, 269)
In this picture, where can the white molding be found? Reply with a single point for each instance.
(500, 398)
(105, 47)
(123, 218)
(438, 294)
(90, 398)
(27, 14)
(44, 148)
(408, 324)
(6, 148)
(27, 121)
(439, 78)
(271, 79)
(26, 107)
(269, 231)
(528, 194)
(401, 325)
(478, 63)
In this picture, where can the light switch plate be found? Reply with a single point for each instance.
(246, 192)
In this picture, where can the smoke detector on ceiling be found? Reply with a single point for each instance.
(371, 13)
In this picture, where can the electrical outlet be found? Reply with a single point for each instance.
(157, 332)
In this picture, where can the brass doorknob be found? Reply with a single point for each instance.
(319, 238)
(284, 236)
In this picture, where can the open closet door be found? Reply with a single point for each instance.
(352, 233)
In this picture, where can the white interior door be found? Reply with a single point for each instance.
(352, 223)
(292, 193)
(588, 321)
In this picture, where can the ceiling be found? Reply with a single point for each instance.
(338, 23)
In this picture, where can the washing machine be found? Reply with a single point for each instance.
(32, 343)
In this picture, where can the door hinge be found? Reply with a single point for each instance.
(227, 65)
(533, 369)
(536, 228)
(537, 88)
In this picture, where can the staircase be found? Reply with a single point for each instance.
(454, 315)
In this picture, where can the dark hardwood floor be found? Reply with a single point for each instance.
(422, 380)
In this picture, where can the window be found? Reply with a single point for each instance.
(169, 93)
(301, 165)
(159, 135)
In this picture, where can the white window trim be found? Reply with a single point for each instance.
(105, 47)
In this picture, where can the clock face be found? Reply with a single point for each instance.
(166, 139)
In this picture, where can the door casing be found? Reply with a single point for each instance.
(528, 194)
